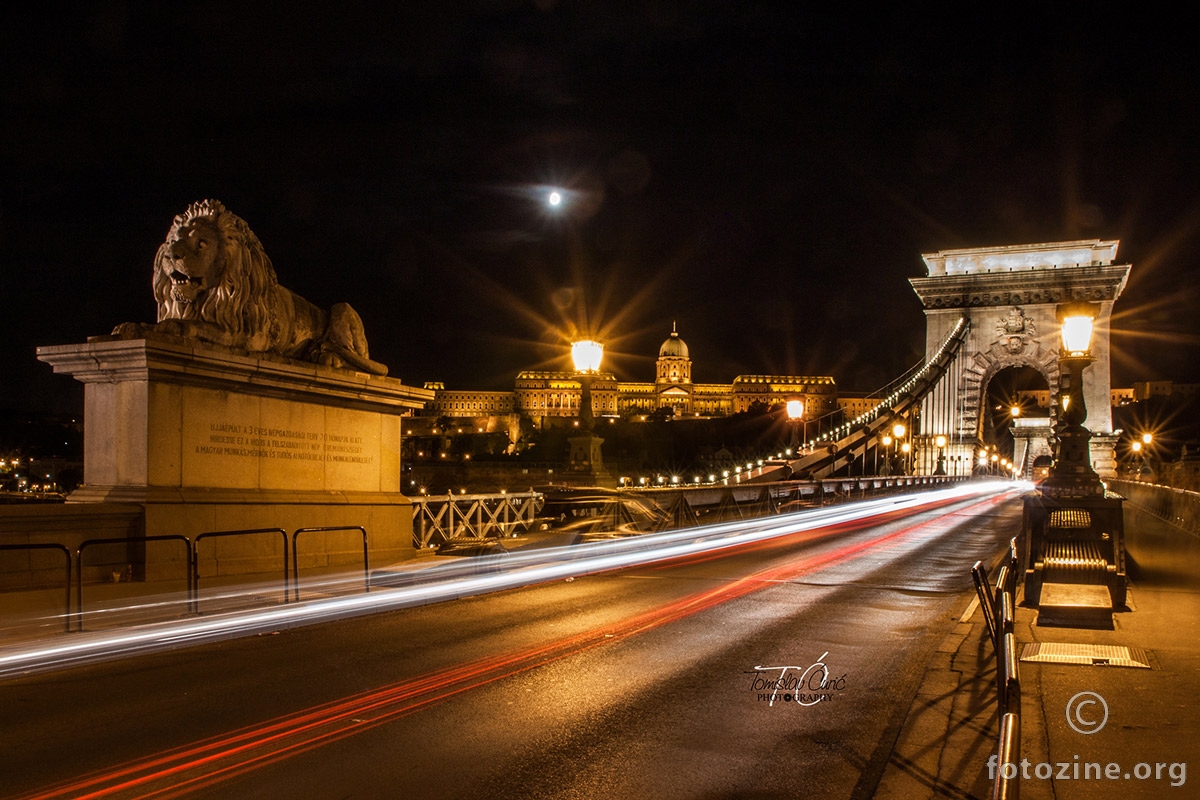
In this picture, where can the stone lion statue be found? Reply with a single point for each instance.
(214, 282)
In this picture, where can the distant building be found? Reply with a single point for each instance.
(856, 405)
(1040, 398)
(1147, 389)
(468, 404)
(549, 393)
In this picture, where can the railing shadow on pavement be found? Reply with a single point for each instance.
(999, 606)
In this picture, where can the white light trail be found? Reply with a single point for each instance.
(461, 578)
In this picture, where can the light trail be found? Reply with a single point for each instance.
(461, 579)
(201, 765)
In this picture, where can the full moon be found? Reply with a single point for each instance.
(555, 198)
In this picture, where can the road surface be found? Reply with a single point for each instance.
(776, 669)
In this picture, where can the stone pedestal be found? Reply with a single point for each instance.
(210, 440)
(586, 461)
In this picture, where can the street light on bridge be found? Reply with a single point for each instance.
(795, 412)
(898, 431)
(586, 455)
(1072, 474)
(940, 442)
(586, 354)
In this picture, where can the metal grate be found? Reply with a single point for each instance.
(1086, 654)
(1070, 518)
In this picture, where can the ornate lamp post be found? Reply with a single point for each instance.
(1072, 474)
(795, 412)
(586, 455)
(940, 441)
(1071, 513)
(898, 431)
(587, 355)
(886, 441)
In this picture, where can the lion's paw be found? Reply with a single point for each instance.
(131, 330)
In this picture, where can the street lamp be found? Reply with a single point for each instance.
(886, 441)
(898, 431)
(940, 441)
(586, 354)
(586, 456)
(1072, 474)
(1141, 451)
(795, 412)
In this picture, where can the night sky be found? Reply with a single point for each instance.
(767, 180)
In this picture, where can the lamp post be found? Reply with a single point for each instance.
(795, 412)
(1141, 449)
(587, 355)
(940, 441)
(1090, 522)
(898, 431)
(586, 455)
(886, 441)
(1072, 474)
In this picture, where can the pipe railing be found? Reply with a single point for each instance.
(296, 555)
(191, 563)
(188, 566)
(999, 608)
(222, 534)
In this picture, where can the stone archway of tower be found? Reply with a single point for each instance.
(989, 363)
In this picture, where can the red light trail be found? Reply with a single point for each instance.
(203, 764)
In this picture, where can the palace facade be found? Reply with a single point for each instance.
(540, 394)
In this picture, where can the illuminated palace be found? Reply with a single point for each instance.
(540, 393)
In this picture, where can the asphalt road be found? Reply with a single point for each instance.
(636, 683)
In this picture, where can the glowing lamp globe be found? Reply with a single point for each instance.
(1077, 320)
(795, 409)
(587, 354)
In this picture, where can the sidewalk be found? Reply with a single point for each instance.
(951, 730)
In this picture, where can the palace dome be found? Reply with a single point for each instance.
(673, 347)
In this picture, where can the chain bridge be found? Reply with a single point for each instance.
(987, 310)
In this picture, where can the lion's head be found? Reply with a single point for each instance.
(212, 268)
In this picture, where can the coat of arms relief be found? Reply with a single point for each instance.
(1014, 329)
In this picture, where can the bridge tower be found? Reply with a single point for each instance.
(1009, 296)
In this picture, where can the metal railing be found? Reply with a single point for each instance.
(215, 534)
(191, 564)
(188, 564)
(472, 516)
(999, 608)
(296, 556)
